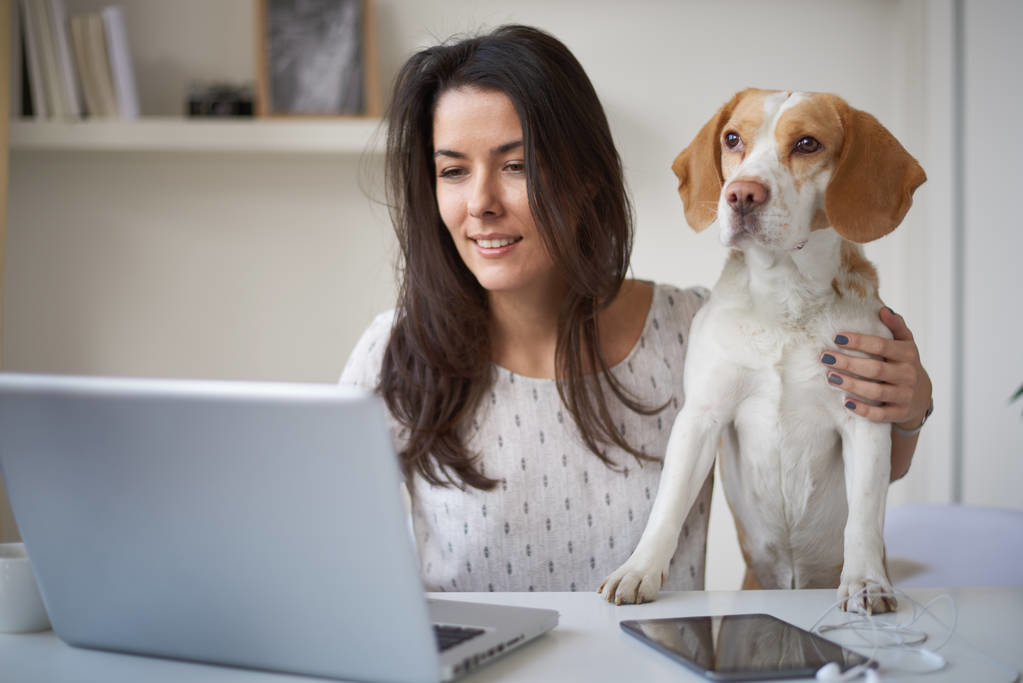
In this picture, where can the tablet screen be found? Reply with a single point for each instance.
(741, 646)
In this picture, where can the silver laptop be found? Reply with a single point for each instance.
(248, 524)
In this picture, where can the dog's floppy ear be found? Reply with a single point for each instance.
(872, 186)
(698, 168)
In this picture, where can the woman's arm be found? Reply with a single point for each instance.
(895, 378)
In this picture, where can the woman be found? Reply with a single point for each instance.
(532, 385)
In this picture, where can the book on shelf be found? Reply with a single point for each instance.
(97, 63)
(121, 70)
(77, 65)
(90, 92)
(69, 84)
(33, 58)
(43, 25)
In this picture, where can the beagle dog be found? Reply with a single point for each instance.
(795, 182)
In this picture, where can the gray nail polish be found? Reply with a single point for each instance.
(835, 379)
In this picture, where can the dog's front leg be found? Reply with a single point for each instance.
(688, 460)
(867, 454)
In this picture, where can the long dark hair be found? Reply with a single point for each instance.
(437, 365)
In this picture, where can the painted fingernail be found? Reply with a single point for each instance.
(835, 379)
(828, 359)
(890, 310)
(850, 405)
(841, 339)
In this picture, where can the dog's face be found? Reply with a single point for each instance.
(777, 156)
(773, 166)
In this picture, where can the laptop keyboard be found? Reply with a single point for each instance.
(449, 636)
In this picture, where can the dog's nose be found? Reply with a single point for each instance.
(745, 195)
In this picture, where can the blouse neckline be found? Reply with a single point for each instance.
(622, 363)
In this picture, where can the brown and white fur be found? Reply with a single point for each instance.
(795, 181)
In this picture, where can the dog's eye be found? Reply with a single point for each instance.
(732, 140)
(807, 145)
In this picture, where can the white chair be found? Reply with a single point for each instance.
(954, 545)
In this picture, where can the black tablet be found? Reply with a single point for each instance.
(741, 647)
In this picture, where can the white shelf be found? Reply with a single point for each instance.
(157, 134)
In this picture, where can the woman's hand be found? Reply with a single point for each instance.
(895, 378)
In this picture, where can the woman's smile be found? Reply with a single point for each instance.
(495, 246)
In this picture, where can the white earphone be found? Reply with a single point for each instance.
(931, 661)
(832, 672)
(900, 639)
(897, 640)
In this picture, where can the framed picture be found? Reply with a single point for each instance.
(316, 58)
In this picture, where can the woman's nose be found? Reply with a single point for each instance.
(484, 200)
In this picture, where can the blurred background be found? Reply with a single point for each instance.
(263, 249)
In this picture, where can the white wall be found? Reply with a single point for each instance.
(235, 266)
(268, 267)
(992, 250)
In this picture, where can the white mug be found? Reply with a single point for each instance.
(21, 606)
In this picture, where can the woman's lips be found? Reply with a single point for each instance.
(495, 246)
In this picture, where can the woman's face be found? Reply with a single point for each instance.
(481, 191)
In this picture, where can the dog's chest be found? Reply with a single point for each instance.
(777, 360)
(786, 415)
(786, 398)
(771, 340)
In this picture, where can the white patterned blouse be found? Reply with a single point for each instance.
(560, 520)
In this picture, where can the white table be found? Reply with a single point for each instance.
(588, 644)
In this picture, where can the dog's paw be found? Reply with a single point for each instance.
(632, 583)
(866, 595)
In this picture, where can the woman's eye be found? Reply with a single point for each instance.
(515, 167)
(451, 172)
(807, 145)
(732, 140)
